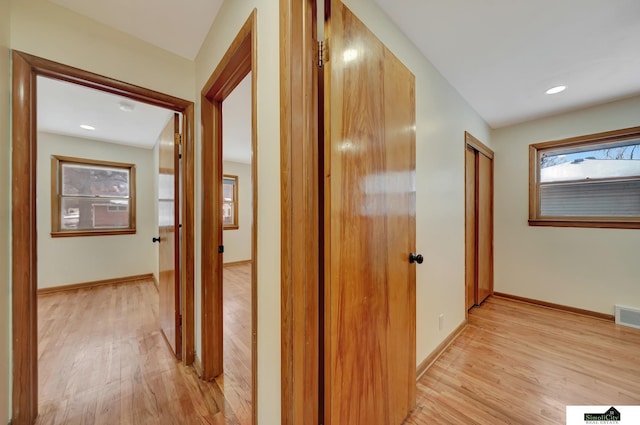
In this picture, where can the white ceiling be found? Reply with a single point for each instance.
(501, 55)
(63, 107)
(177, 26)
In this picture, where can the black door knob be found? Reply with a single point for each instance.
(156, 239)
(413, 258)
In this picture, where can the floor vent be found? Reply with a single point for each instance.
(628, 316)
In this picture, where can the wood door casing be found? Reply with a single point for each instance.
(470, 227)
(301, 217)
(168, 226)
(484, 191)
(25, 69)
(369, 315)
(239, 59)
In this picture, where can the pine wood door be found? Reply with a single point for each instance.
(169, 229)
(484, 186)
(478, 221)
(369, 295)
(470, 227)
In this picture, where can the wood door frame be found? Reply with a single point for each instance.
(26, 68)
(239, 59)
(301, 244)
(477, 145)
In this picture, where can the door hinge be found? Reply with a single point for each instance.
(177, 137)
(180, 320)
(323, 53)
(220, 249)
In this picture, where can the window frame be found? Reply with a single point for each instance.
(57, 161)
(235, 225)
(535, 152)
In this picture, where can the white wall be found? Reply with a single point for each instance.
(442, 117)
(591, 269)
(230, 19)
(66, 261)
(5, 188)
(237, 242)
(44, 29)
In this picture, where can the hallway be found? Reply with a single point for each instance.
(104, 361)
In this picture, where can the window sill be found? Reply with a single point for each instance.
(73, 233)
(603, 224)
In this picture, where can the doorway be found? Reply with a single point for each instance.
(26, 69)
(219, 210)
(478, 221)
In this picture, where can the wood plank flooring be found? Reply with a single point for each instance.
(236, 380)
(103, 360)
(518, 363)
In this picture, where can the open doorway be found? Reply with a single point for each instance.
(97, 173)
(118, 211)
(237, 219)
(230, 289)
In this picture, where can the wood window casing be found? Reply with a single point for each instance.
(597, 140)
(57, 196)
(228, 179)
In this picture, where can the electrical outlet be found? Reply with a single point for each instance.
(441, 321)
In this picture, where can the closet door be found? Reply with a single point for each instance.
(478, 221)
(470, 227)
(484, 227)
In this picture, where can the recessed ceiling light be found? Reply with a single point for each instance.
(556, 89)
(126, 106)
(87, 127)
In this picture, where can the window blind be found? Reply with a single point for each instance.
(591, 199)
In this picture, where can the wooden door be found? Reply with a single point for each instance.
(369, 305)
(484, 186)
(470, 227)
(478, 221)
(169, 228)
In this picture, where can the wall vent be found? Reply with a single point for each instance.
(628, 316)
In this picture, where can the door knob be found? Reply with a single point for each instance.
(415, 258)
(156, 239)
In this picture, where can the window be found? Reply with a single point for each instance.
(230, 202)
(91, 197)
(587, 181)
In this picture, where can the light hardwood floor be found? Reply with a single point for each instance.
(103, 360)
(522, 364)
(236, 380)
